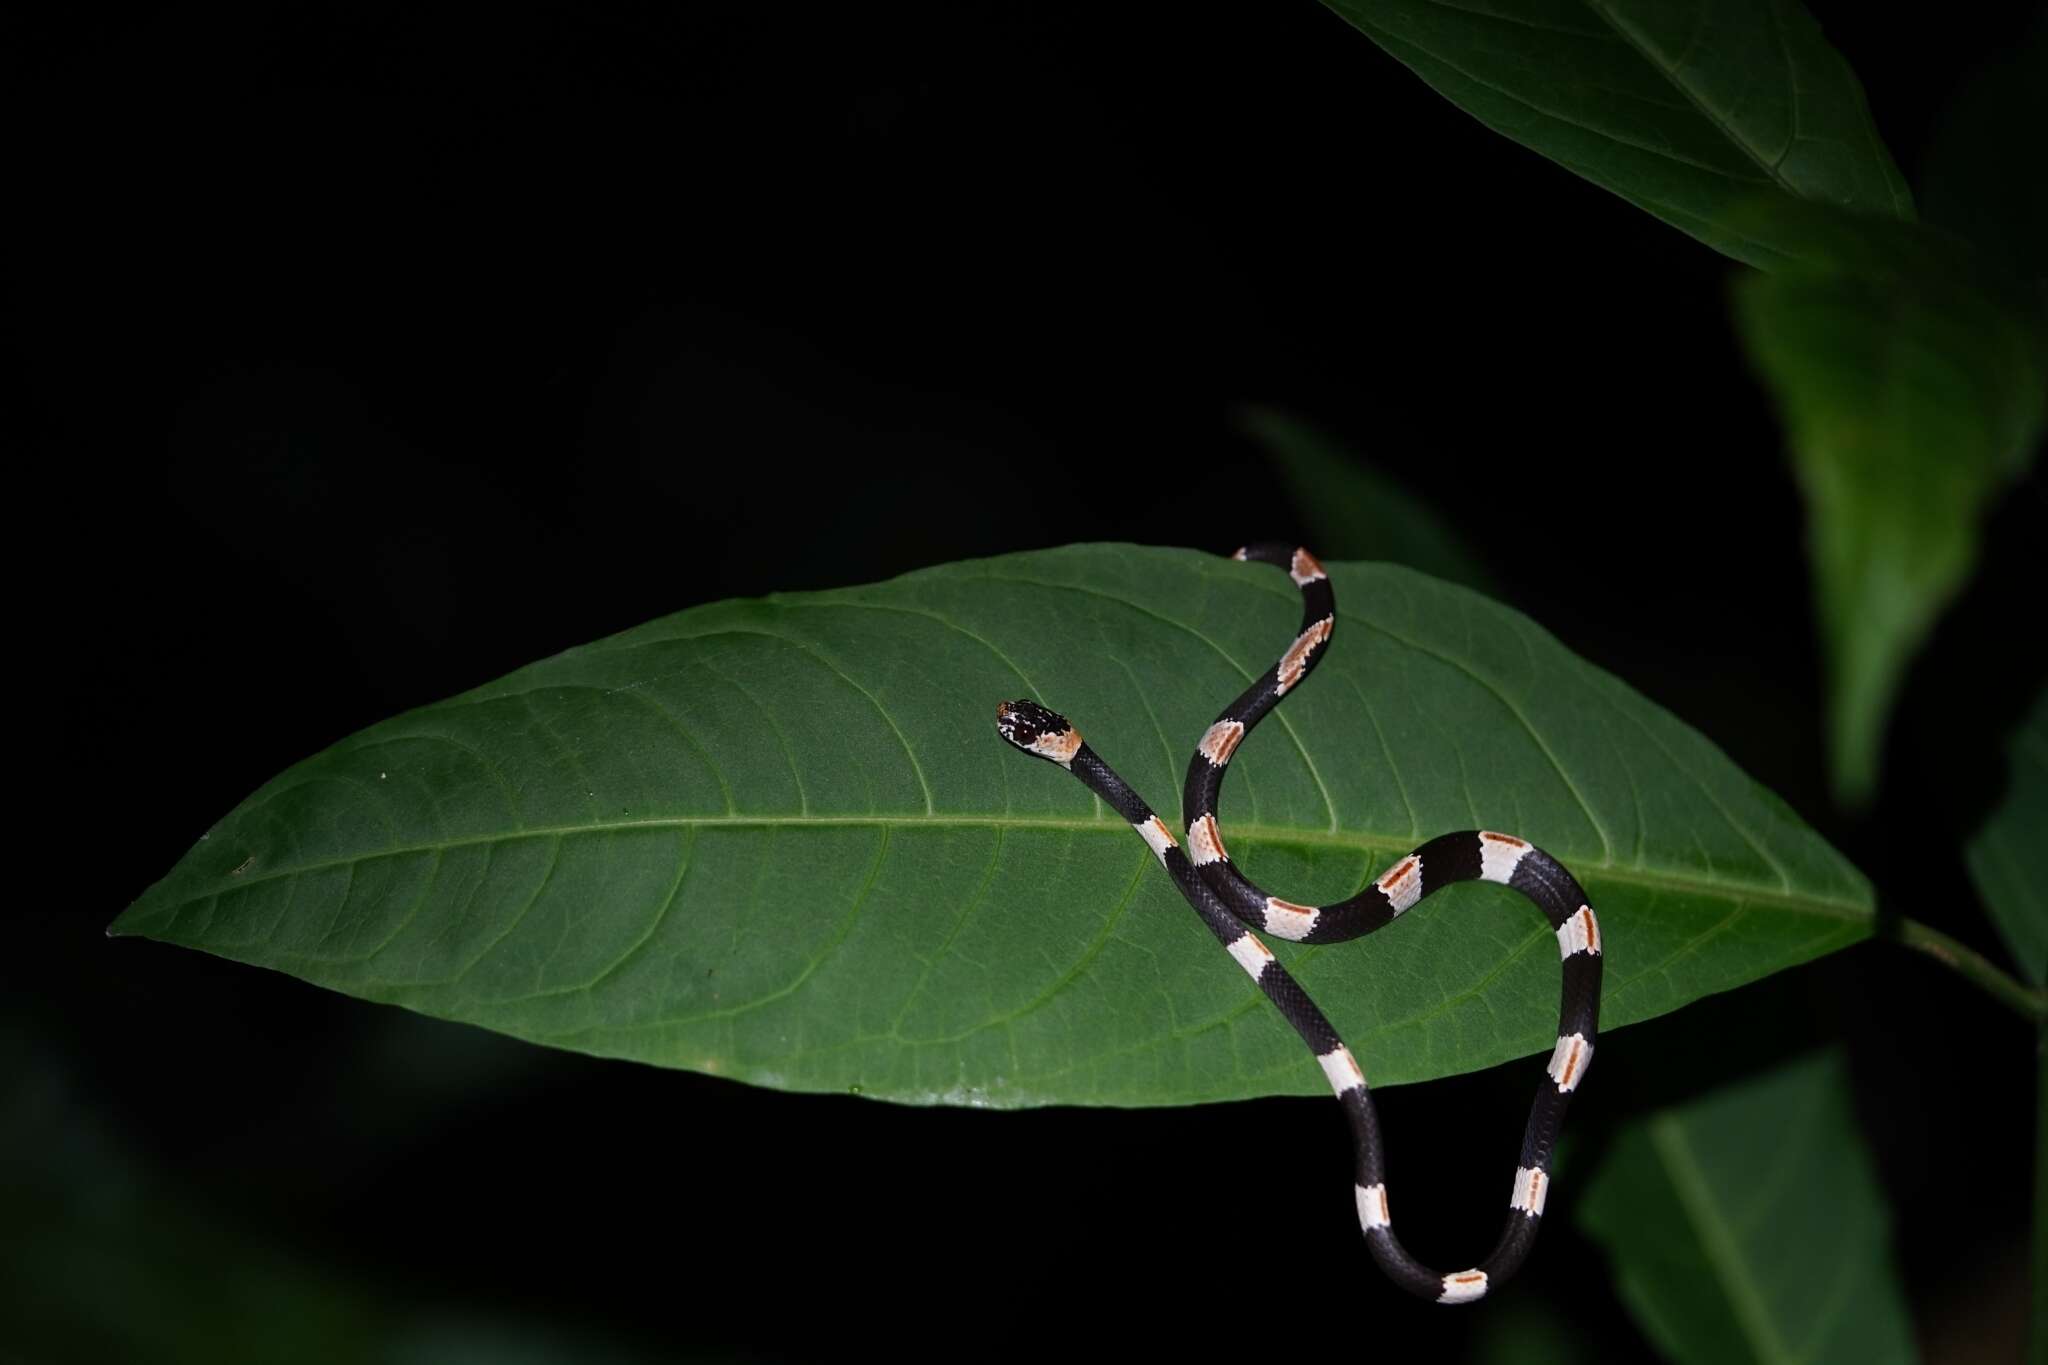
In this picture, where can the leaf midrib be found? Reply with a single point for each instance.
(1652, 878)
(1670, 70)
(1695, 1194)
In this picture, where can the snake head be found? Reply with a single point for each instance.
(1038, 730)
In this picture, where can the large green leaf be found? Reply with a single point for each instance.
(2005, 855)
(1911, 395)
(1749, 1226)
(1688, 110)
(780, 839)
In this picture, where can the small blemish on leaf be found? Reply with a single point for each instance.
(247, 863)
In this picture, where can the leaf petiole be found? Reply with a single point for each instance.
(1980, 970)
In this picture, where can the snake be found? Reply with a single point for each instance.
(1237, 911)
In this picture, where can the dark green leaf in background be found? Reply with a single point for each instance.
(1352, 511)
(105, 1257)
(1686, 110)
(2005, 859)
(1911, 395)
(2005, 856)
(1520, 1329)
(1750, 1226)
(2037, 1329)
(780, 840)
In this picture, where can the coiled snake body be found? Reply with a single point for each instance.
(1233, 908)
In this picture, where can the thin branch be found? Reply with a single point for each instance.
(1980, 970)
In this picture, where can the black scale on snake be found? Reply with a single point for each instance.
(1233, 907)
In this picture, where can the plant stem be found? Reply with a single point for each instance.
(1979, 969)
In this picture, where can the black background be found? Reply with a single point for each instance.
(376, 350)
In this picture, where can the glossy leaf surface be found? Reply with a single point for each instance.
(779, 839)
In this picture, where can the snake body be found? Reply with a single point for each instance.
(1234, 908)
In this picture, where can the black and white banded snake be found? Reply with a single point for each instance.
(1234, 908)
